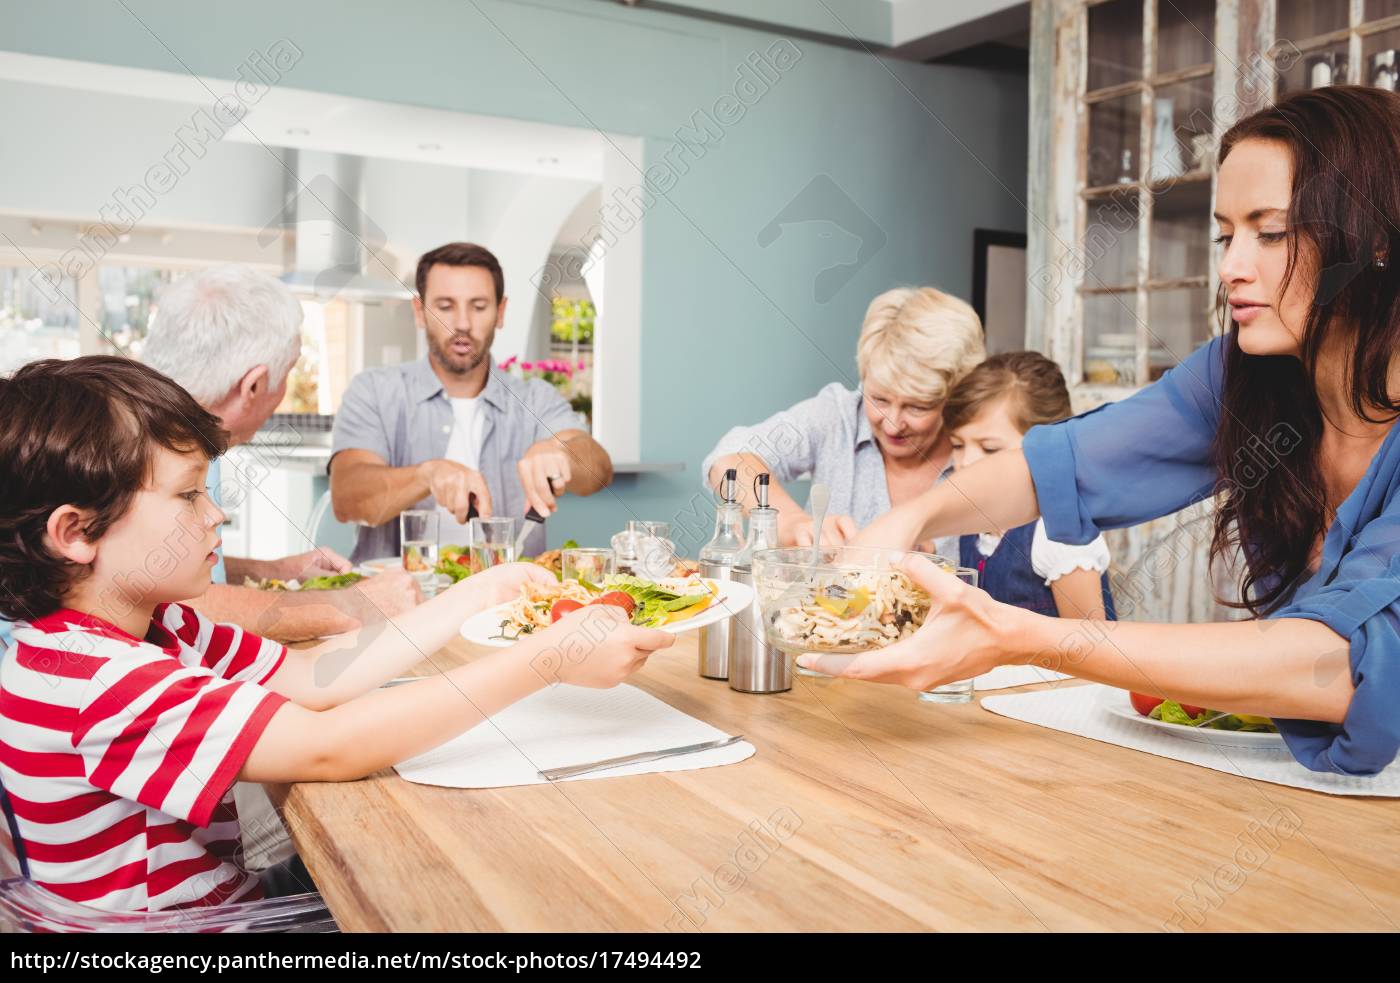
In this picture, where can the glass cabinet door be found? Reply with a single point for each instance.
(1146, 187)
(1139, 92)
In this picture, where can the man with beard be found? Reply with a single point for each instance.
(452, 430)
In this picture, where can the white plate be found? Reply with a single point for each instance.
(733, 599)
(1117, 702)
(371, 567)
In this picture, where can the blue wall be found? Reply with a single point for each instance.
(732, 330)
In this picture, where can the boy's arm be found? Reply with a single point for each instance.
(595, 646)
(388, 726)
(342, 668)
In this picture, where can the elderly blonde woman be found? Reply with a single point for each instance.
(874, 448)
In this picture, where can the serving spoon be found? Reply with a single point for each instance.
(817, 505)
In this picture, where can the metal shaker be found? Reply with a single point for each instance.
(754, 665)
(714, 638)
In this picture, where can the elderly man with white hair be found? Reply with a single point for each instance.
(230, 336)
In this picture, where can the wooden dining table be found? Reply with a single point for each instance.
(863, 809)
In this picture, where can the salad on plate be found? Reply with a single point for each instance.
(1186, 715)
(648, 603)
(327, 582)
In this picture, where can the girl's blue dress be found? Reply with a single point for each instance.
(1009, 576)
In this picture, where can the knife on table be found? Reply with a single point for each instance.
(556, 774)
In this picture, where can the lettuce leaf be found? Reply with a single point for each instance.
(1170, 712)
(654, 602)
(331, 581)
(457, 571)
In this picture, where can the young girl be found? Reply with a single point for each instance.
(990, 410)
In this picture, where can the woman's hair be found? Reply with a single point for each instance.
(1343, 216)
(1033, 383)
(83, 433)
(918, 342)
(211, 327)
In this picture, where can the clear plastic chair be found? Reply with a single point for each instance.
(27, 907)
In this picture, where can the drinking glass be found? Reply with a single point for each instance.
(959, 691)
(656, 554)
(493, 542)
(588, 564)
(418, 538)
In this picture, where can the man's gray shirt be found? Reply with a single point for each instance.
(402, 414)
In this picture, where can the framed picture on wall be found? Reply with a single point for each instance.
(999, 287)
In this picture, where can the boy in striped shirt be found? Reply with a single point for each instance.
(126, 716)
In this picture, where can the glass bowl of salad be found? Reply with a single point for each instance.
(854, 599)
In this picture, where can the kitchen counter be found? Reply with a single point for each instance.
(296, 447)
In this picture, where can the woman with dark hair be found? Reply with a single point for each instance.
(1287, 421)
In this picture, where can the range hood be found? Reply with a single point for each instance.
(334, 251)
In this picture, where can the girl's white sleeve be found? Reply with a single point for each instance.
(1051, 560)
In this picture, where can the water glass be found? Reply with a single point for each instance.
(959, 691)
(418, 539)
(656, 554)
(493, 542)
(588, 564)
(645, 549)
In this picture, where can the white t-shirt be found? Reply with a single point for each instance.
(464, 447)
(1052, 560)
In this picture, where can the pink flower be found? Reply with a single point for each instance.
(581, 366)
(527, 366)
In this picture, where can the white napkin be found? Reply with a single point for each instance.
(1004, 677)
(1081, 710)
(570, 725)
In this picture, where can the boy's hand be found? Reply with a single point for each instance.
(500, 583)
(596, 646)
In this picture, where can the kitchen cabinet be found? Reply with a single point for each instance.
(1129, 99)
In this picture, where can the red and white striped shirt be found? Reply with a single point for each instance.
(119, 755)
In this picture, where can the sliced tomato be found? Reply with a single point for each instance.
(1191, 711)
(1145, 704)
(561, 608)
(618, 599)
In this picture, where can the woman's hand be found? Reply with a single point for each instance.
(900, 528)
(499, 584)
(837, 530)
(966, 634)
